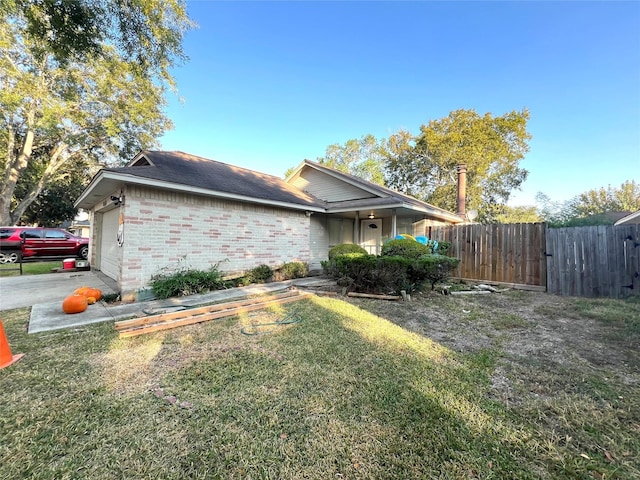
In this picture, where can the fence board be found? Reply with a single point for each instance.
(512, 254)
(599, 261)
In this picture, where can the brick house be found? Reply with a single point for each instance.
(167, 210)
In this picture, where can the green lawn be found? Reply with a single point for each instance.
(436, 388)
(29, 268)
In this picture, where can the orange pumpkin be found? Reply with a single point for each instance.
(89, 292)
(93, 292)
(81, 290)
(91, 300)
(74, 304)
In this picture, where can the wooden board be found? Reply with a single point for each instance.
(154, 323)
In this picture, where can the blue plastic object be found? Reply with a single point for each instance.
(422, 239)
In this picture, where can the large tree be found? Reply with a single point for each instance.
(625, 198)
(591, 207)
(491, 147)
(364, 157)
(98, 103)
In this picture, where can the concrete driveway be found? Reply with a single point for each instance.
(28, 290)
(44, 294)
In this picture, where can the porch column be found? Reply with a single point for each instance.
(394, 223)
(356, 229)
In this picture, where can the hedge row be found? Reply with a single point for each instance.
(389, 273)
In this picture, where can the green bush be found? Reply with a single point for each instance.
(291, 270)
(405, 248)
(346, 248)
(433, 268)
(388, 274)
(336, 266)
(260, 274)
(442, 248)
(369, 273)
(186, 282)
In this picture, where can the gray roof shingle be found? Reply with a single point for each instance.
(185, 169)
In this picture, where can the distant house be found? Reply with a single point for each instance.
(170, 209)
(632, 218)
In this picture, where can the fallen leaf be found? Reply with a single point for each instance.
(610, 457)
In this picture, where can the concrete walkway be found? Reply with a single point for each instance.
(27, 290)
(49, 316)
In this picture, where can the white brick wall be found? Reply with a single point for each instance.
(166, 231)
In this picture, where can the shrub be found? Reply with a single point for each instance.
(370, 274)
(388, 274)
(291, 270)
(260, 274)
(186, 282)
(433, 268)
(442, 248)
(405, 248)
(346, 248)
(338, 265)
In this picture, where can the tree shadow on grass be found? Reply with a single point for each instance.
(346, 393)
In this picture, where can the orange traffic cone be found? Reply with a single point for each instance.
(6, 358)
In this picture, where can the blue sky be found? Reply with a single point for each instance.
(269, 84)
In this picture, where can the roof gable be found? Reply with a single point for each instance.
(211, 177)
(327, 187)
(356, 193)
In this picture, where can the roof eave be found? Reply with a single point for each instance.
(628, 218)
(83, 200)
(445, 216)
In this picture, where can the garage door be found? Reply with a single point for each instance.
(109, 250)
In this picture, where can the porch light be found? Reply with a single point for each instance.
(371, 216)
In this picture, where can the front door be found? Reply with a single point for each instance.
(371, 234)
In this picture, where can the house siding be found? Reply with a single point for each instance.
(166, 231)
(327, 188)
(318, 241)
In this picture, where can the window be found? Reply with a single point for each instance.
(6, 232)
(31, 233)
(54, 235)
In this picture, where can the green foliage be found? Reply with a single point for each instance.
(492, 147)
(148, 32)
(519, 214)
(442, 248)
(364, 158)
(259, 274)
(388, 273)
(54, 205)
(64, 101)
(291, 270)
(591, 207)
(345, 248)
(369, 273)
(406, 248)
(337, 263)
(625, 198)
(186, 282)
(434, 268)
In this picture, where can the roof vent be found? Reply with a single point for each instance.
(141, 162)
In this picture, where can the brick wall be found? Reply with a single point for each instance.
(166, 231)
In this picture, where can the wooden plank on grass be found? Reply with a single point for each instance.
(375, 296)
(191, 319)
(165, 317)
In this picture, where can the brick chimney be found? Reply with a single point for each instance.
(462, 191)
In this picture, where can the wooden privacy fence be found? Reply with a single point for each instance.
(510, 254)
(598, 261)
